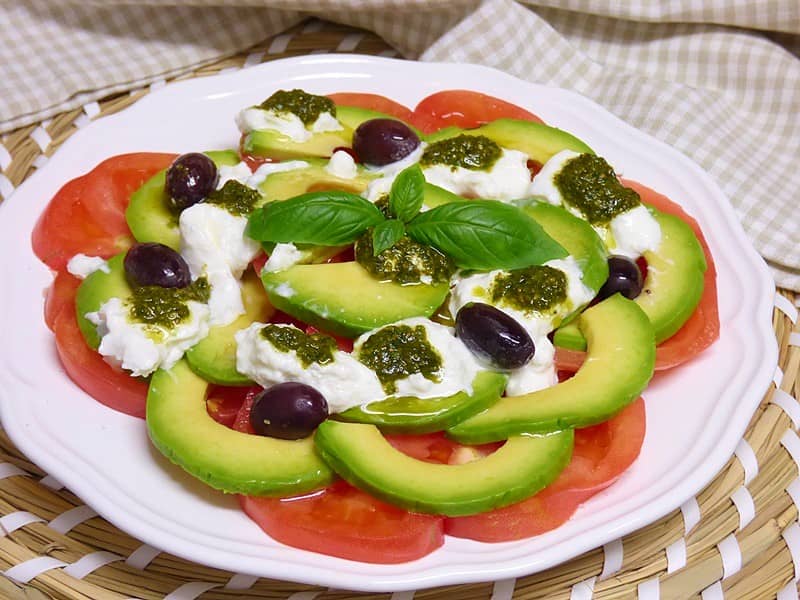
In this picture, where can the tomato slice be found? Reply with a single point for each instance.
(373, 102)
(601, 454)
(342, 521)
(115, 389)
(60, 296)
(701, 328)
(87, 215)
(465, 109)
(223, 403)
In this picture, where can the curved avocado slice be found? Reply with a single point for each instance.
(95, 290)
(288, 184)
(149, 216)
(343, 298)
(214, 357)
(537, 140)
(619, 365)
(673, 286)
(181, 428)
(520, 468)
(425, 415)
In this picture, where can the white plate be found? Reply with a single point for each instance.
(696, 414)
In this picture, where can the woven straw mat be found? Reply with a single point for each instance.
(738, 538)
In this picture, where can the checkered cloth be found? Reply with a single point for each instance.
(717, 79)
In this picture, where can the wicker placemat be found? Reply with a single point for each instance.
(739, 538)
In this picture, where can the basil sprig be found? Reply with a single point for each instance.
(484, 235)
(479, 235)
(332, 218)
(407, 193)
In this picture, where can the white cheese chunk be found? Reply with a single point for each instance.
(543, 185)
(344, 382)
(377, 188)
(282, 257)
(635, 231)
(239, 172)
(508, 179)
(538, 374)
(214, 245)
(459, 365)
(286, 123)
(81, 266)
(134, 346)
(342, 165)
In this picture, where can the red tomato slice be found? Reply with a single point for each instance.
(87, 215)
(60, 296)
(601, 454)
(115, 389)
(373, 102)
(465, 109)
(701, 329)
(342, 521)
(223, 403)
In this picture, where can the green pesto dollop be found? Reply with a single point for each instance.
(235, 197)
(382, 204)
(476, 152)
(311, 348)
(397, 351)
(405, 262)
(307, 107)
(588, 183)
(166, 308)
(538, 288)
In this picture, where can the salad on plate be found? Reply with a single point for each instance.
(379, 326)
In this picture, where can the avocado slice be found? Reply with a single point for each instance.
(272, 144)
(97, 289)
(149, 216)
(214, 357)
(425, 415)
(537, 140)
(343, 298)
(619, 365)
(673, 286)
(288, 184)
(520, 468)
(181, 428)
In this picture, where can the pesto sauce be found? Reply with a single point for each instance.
(538, 288)
(405, 262)
(166, 308)
(235, 197)
(589, 184)
(475, 152)
(314, 348)
(307, 107)
(382, 204)
(397, 351)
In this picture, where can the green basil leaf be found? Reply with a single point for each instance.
(386, 234)
(333, 218)
(484, 235)
(407, 193)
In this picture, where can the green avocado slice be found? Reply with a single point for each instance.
(343, 298)
(288, 184)
(214, 357)
(673, 286)
(518, 469)
(425, 415)
(619, 365)
(181, 428)
(96, 290)
(149, 216)
(539, 141)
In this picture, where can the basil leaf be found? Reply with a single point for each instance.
(484, 235)
(333, 218)
(407, 193)
(386, 234)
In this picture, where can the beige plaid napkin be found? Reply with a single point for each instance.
(717, 79)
